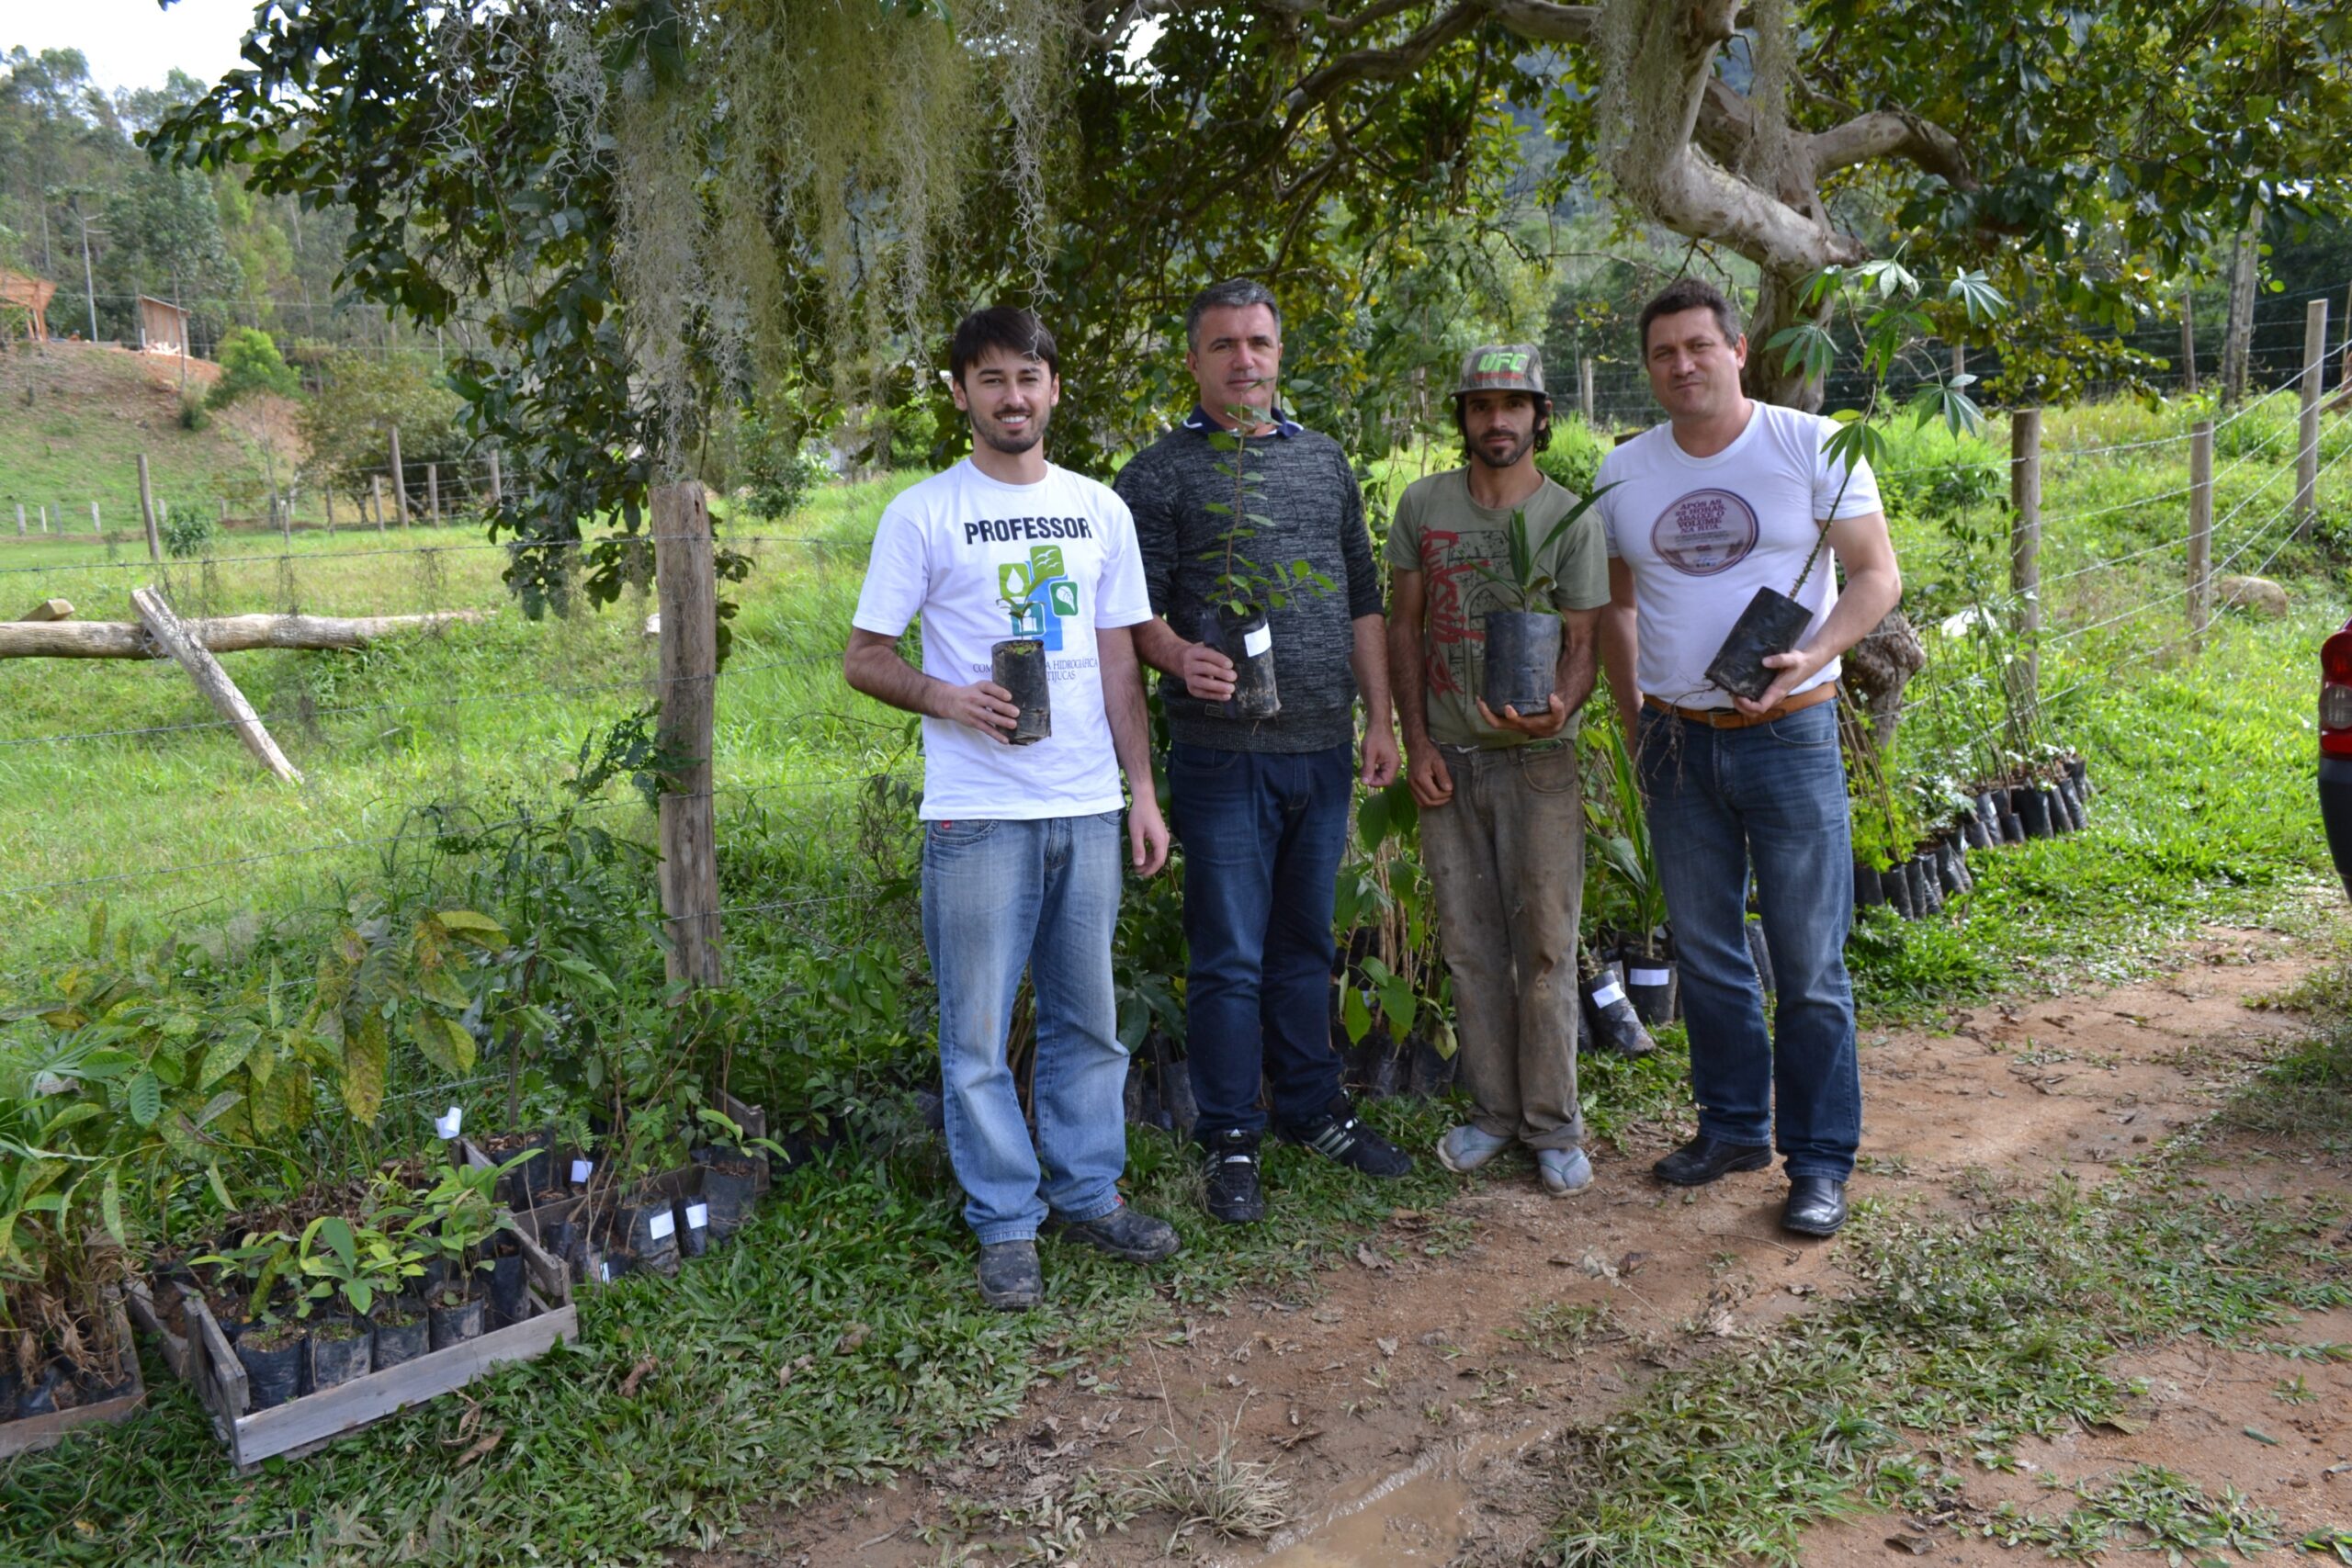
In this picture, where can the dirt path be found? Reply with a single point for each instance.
(1406, 1406)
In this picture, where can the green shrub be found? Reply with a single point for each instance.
(193, 413)
(250, 362)
(187, 527)
(1574, 456)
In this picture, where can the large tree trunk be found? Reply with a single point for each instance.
(1780, 304)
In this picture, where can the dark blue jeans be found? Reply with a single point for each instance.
(1262, 833)
(1770, 800)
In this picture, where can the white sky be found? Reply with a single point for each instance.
(131, 43)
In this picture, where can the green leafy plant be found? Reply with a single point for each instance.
(1244, 587)
(187, 528)
(455, 1218)
(1617, 841)
(381, 972)
(358, 1263)
(1531, 579)
(259, 1263)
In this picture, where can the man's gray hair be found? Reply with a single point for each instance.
(1233, 293)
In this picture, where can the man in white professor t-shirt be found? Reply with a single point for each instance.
(1021, 864)
(1728, 496)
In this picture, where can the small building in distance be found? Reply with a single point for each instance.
(162, 326)
(24, 307)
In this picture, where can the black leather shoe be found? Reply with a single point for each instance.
(1817, 1205)
(1705, 1159)
(1229, 1181)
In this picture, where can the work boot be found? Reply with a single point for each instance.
(1010, 1279)
(1123, 1234)
(1229, 1180)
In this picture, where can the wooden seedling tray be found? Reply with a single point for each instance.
(28, 1433)
(306, 1425)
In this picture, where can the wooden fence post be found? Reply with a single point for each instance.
(96, 526)
(2200, 531)
(2188, 342)
(1584, 387)
(496, 496)
(327, 495)
(376, 488)
(211, 680)
(147, 509)
(687, 587)
(400, 478)
(2307, 442)
(433, 492)
(2024, 550)
(20, 520)
(1959, 360)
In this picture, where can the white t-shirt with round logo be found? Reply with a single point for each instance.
(982, 562)
(1702, 534)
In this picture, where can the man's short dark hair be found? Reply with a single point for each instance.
(1007, 327)
(1689, 294)
(1233, 293)
(1543, 420)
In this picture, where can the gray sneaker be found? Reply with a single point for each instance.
(1464, 1148)
(1010, 1279)
(1563, 1170)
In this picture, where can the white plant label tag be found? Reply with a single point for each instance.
(1609, 994)
(446, 1127)
(1256, 641)
(1652, 976)
(697, 1216)
(580, 1169)
(603, 1273)
(661, 1224)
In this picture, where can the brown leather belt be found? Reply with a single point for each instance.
(1732, 718)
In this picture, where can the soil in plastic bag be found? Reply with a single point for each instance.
(1609, 1016)
(401, 1334)
(1249, 643)
(1019, 666)
(272, 1357)
(1771, 624)
(455, 1324)
(340, 1350)
(1653, 984)
(1522, 654)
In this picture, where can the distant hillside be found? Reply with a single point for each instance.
(75, 417)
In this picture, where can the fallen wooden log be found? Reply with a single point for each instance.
(220, 634)
(170, 635)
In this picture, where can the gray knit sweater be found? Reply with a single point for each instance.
(1305, 485)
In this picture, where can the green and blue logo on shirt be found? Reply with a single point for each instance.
(1039, 595)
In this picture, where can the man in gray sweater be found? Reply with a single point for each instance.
(1260, 780)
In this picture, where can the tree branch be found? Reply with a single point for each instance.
(1891, 133)
(1386, 65)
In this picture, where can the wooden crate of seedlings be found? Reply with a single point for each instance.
(568, 1205)
(308, 1422)
(24, 1434)
(154, 1323)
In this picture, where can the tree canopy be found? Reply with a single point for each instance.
(662, 212)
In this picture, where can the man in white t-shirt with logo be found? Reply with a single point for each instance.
(1728, 496)
(1021, 863)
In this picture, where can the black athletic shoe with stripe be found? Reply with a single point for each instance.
(1229, 1179)
(1339, 1137)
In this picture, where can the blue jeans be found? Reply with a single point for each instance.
(1262, 833)
(998, 896)
(1771, 800)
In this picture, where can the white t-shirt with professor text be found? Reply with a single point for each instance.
(1702, 534)
(981, 561)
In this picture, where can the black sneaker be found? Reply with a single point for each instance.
(1123, 1234)
(1338, 1135)
(1229, 1180)
(1010, 1279)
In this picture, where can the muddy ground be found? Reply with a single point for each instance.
(1408, 1405)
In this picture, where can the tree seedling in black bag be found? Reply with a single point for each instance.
(1522, 640)
(1235, 621)
(1773, 621)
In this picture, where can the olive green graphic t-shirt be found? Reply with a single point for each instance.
(1443, 535)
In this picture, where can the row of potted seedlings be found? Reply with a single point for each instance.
(2039, 806)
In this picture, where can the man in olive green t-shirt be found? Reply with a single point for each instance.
(1501, 813)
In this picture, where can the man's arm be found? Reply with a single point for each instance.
(873, 665)
(1131, 738)
(1425, 769)
(1620, 647)
(1873, 585)
(1207, 673)
(1370, 662)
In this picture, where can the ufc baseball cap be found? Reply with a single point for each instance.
(1503, 368)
